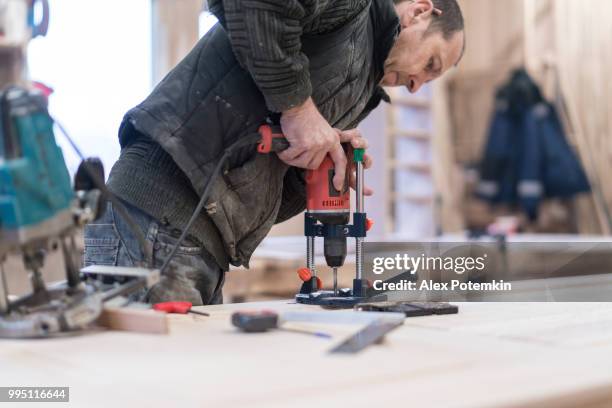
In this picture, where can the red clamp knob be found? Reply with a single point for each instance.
(305, 275)
(369, 224)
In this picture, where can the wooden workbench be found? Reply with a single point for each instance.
(490, 355)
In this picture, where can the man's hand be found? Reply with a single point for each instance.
(311, 138)
(357, 141)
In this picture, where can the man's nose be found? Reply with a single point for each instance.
(414, 84)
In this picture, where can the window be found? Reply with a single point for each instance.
(206, 22)
(97, 58)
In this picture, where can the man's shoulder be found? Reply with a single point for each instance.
(320, 16)
(328, 15)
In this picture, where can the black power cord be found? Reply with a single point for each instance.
(251, 139)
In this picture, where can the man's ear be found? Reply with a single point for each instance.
(415, 12)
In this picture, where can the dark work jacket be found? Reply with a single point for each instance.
(209, 101)
(527, 157)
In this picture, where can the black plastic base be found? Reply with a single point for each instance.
(343, 300)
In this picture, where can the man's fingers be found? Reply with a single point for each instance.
(316, 160)
(360, 143)
(367, 191)
(301, 161)
(348, 135)
(367, 162)
(353, 137)
(339, 158)
(290, 154)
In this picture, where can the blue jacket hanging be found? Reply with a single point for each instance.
(527, 157)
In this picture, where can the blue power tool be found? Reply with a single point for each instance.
(39, 212)
(35, 188)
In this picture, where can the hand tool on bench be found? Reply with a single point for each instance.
(177, 308)
(265, 320)
(410, 309)
(327, 215)
(375, 325)
(373, 333)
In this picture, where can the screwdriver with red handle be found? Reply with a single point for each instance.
(177, 308)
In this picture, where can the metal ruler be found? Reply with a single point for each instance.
(371, 334)
(375, 326)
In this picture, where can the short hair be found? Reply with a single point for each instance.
(449, 22)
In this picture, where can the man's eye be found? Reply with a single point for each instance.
(430, 65)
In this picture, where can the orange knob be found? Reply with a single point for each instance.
(369, 224)
(304, 274)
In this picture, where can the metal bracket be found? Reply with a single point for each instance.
(312, 228)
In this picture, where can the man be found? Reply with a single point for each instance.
(318, 66)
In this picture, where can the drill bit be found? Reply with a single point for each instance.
(335, 271)
(359, 207)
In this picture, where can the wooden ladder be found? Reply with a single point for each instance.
(412, 200)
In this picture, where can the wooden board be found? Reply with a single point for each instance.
(134, 320)
(175, 32)
(490, 355)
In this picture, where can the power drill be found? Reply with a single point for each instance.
(328, 215)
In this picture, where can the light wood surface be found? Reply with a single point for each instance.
(580, 66)
(175, 32)
(490, 355)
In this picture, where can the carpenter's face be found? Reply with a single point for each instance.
(418, 56)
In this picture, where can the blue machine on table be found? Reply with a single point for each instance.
(35, 188)
(39, 212)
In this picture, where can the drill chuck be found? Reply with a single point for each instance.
(334, 249)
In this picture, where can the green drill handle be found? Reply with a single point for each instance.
(358, 155)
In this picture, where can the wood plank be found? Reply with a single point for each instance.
(412, 134)
(416, 167)
(421, 199)
(134, 320)
(447, 174)
(175, 28)
(414, 102)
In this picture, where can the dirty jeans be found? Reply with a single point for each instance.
(193, 275)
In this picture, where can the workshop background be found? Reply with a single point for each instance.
(454, 160)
